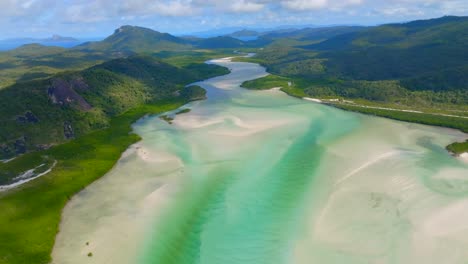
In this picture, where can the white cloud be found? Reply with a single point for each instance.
(305, 4)
(17, 8)
(158, 7)
(245, 6)
(174, 8)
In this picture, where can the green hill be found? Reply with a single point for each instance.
(222, 42)
(34, 50)
(244, 33)
(38, 114)
(132, 39)
(444, 30)
(34, 61)
(424, 55)
(409, 63)
(313, 34)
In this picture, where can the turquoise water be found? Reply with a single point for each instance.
(260, 177)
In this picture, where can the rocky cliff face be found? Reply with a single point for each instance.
(63, 92)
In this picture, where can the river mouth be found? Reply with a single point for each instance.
(260, 177)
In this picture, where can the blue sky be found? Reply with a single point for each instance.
(93, 18)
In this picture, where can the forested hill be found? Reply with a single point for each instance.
(41, 113)
(34, 61)
(424, 55)
(438, 31)
(420, 63)
(132, 39)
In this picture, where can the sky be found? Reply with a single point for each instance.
(96, 18)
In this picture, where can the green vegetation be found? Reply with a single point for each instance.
(75, 106)
(81, 120)
(458, 147)
(34, 61)
(130, 40)
(422, 118)
(430, 118)
(272, 81)
(167, 118)
(42, 113)
(267, 82)
(312, 34)
(194, 92)
(370, 91)
(32, 212)
(183, 111)
(419, 65)
(187, 58)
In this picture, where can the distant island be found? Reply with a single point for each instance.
(54, 40)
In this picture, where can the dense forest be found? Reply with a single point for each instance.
(421, 63)
(42, 113)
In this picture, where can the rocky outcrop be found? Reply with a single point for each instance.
(20, 146)
(68, 130)
(64, 92)
(13, 148)
(27, 118)
(6, 151)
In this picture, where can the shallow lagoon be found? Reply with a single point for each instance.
(261, 177)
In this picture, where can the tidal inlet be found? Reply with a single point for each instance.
(261, 177)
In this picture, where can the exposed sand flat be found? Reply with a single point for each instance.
(464, 157)
(375, 160)
(110, 218)
(150, 156)
(449, 220)
(388, 209)
(242, 126)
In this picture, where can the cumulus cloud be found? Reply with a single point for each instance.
(304, 5)
(158, 7)
(18, 8)
(245, 6)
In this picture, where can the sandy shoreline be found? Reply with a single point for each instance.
(312, 99)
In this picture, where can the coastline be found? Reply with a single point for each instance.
(409, 116)
(76, 168)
